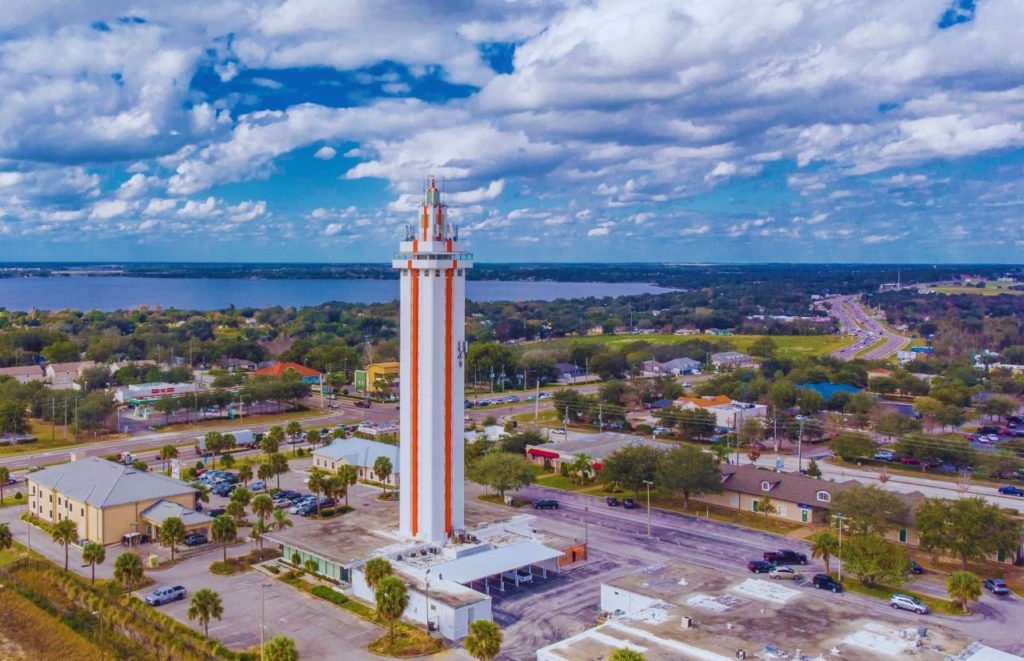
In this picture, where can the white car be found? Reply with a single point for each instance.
(525, 576)
(784, 573)
(558, 430)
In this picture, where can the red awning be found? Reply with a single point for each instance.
(536, 452)
(597, 465)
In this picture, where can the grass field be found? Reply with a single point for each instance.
(789, 345)
(990, 289)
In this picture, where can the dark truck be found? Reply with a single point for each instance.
(785, 557)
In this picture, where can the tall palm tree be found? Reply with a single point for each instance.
(824, 546)
(93, 554)
(205, 605)
(172, 532)
(281, 648)
(294, 429)
(382, 469)
(484, 640)
(224, 530)
(262, 506)
(271, 443)
(375, 570)
(582, 467)
(348, 474)
(316, 485)
(167, 453)
(279, 463)
(128, 569)
(257, 532)
(265, 472)
(65, 533)
(245, 474)
(392, 598)
(963, 587)
(281, 520)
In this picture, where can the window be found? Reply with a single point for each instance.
(766, 486)
(824, 497)
(903, 535)
(83, 511)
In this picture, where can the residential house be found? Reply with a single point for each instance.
(24, 374)
(105, 499)
(361, 453)
(681, 366)
(730, 360)
(279, 369)
(728, 414)
(567, 372)
(62, 376)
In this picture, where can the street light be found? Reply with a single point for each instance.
(648, 483)
(426, 594)
(839, 516)
(263, 626)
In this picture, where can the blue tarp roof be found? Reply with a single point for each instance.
(827, 389)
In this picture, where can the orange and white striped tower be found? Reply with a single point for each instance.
(433, 264)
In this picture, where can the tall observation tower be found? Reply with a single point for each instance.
(433, 310)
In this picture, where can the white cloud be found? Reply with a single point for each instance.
(108, 209)
(602, 229)
(695, 231)
(325, 153)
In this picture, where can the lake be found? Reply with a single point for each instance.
(120, 292)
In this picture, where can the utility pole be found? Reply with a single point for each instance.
(536, 401)
(600, 418)
(263, 626)
(800, 449)
(648, 483)
(65, 419)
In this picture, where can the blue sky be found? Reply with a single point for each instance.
(302, 130)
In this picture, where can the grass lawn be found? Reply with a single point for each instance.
(47, 439)
(990, 289)
(883, 592)
(789, 345)
(220, 423)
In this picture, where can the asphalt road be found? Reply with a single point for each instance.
(854, 319)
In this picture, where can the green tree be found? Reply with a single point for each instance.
(695, 423)
(484, 640)
(6, 538)
(582, 467)
(13, 417)
(226, 461)
(809, 401)
(167, 453)
(279, 464)
(392, 598)
(763, 347)
(813, 470)
(92, 555)
(850, 446)
(766, 506)
(317, 478)
(963, 587)
(630, 466)
(128, 569)
(262, 506)
(625, 654)
(245, 474)
(281, 648)
(375, 570)
(205, 606)
(265, 472)
(382, 469)
(294, 430)
(65, 533)
(172, 532)
(873, 560)
(870, 510)
(236, 510)
(502, 472)
(516, 443)
(224, 530)
(967, 528)
(687, 470)
(824, 545)
(5, 475)
(281, 520)
(348, 475)
(271, 442)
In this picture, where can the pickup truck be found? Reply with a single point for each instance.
(164, 594)
(785, 557)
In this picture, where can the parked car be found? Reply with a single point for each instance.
(223, 489)
(1010, 490)
(629, 503)
(134, 539)
(545, 504)
(164, 594)
(915, 567)
(558, 430)
(524, 575)
(215, 512)
(910, 461)
(885, 455)
(908, 603)
(785, 557)
(257, 485)
(612, 501)
(195, 539)
(826, 582)
(995, 586)
(784, 573)
(760, 566)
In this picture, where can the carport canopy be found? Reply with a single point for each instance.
(483, 564)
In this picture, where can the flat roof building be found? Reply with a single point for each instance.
(24, 373)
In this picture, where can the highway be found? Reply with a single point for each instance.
(855, 320)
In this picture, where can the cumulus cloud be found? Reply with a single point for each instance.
(325, 153)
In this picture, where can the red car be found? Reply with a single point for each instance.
(910, 461)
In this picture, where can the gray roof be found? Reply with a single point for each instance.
(103, 483)
(599, 446)
(682, 364)
(791, 487)
(729, 355)
(162, 510)
(24, 370)
(360, 452)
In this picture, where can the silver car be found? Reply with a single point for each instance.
(908, 603)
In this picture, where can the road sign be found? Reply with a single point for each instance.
(360, 380)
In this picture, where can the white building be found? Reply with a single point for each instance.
(361, 453)
(145, 393)
(62, 376)
(24, 374)
(433, 264)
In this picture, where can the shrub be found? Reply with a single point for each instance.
(296, 558)
(153, 560)
(17, 496)
(330, 595)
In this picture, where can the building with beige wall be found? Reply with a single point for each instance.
(24, 373)
(105, 500)
(361, 453)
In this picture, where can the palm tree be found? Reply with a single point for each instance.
(241, 495)
(227, 461)
(225, 531)
(205, 605)
(375, 570)
(128, 569)
(280, 648)
(271, 443)
(257, 533)
(824, 546)
(65, 533)
(294, 430)
(392, 597)
(348, 475)
(963, 587)
(582, 467)
(245, 474)
(167, 453)
(262, 506)
(236, 511)
(281, 520)
(93, 554)
(6, 538)
(5, 474)
(484, 640)
(316, 485)
(382, 468)
(280, 465)
(265, 472)
(172, 532)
